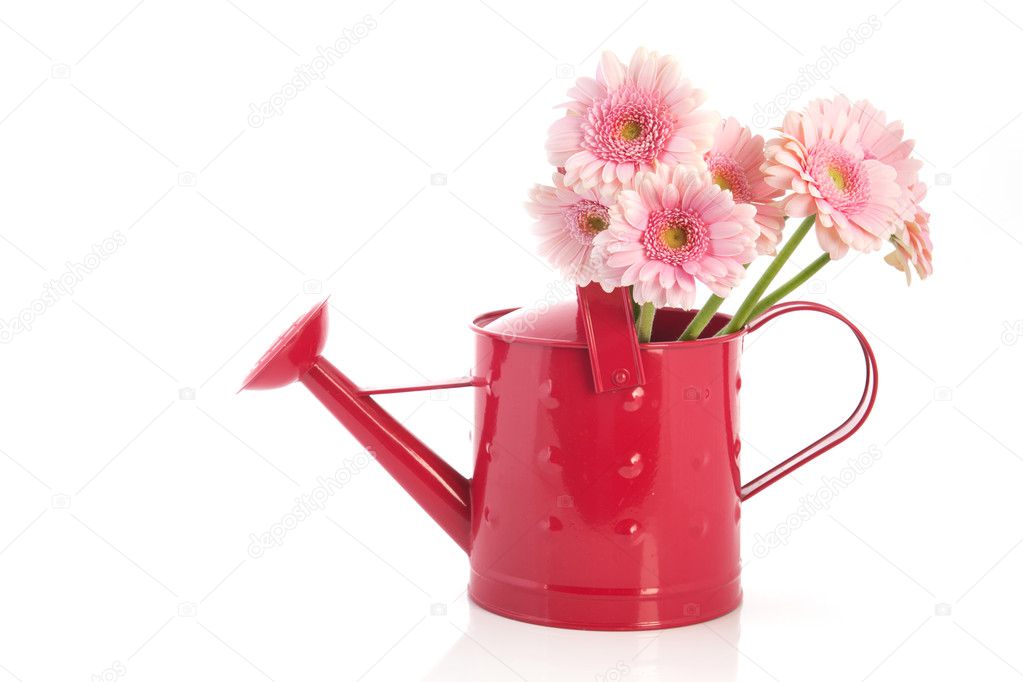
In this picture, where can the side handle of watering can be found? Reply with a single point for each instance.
(840, 433)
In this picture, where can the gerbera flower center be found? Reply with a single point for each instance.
(726, 173)
(595, 224)
(631, 130)
(630, 125)
(675, 236)
(585, 219)
(839, 176)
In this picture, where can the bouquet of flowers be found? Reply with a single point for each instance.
(655, 193)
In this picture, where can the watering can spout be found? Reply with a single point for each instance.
(438, 488)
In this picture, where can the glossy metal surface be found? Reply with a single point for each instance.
(293, 352)
(617, 510)
(843, 430)
(611, 337)
(613, 510)
(441, 491)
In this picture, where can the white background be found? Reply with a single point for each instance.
(128, 500)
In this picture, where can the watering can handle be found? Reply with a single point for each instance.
(610, 332)
(837, 435)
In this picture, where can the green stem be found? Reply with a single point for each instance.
(742, 315)
(695, 328)
(790, 286)
(645, 325)
(692, 332)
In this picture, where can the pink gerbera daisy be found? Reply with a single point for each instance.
(913, 243)
(883, 141)
(629, 119)
(675, 227)
(820, 159)
(566, 223)
(734, 163)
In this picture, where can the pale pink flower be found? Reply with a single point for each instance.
(566, 223)
(734, 163)
(628, 120)
(674, 228)
(820, 159)
(883, 141)
(913, 242)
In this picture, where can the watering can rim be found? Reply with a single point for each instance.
(479, 325)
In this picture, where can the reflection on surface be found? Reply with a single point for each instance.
(494, 648)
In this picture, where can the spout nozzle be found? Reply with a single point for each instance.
(292, 354)
(435, 485)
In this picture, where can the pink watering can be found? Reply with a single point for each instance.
(606, 491)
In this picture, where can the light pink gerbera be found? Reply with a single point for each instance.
(627, 120)
(566, 223)
(819, 158)
(913, 243)
(734, 163)
(675, 227)
(883, 141)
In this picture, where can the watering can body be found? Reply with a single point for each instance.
(617, 509)
(598, 505)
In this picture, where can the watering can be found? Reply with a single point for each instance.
(606, 491)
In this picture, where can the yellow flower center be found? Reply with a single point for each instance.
(722, 182)
(836, 177)
(675, 237)
(631, 130)
(594, 224)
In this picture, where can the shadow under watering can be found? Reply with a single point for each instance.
(605, 492)
(495, 648)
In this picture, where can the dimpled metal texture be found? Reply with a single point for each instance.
(614, 510)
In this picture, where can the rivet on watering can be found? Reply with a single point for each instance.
(620, 376)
